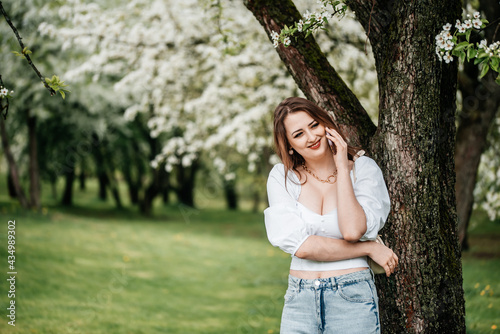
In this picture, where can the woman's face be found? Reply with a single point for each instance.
(305, 135)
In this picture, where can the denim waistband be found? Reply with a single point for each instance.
(357, 276)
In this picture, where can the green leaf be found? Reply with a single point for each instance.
(462, 56)
(497, 80)
(26, 51)
(57, 85)
(461, 46)
(484, 70)
(467, 34)
(471, 53)
(494, 63)
(18, 54)
(480, 60)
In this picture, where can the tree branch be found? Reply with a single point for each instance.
(313, 73)
(19, 39)
(374, 16)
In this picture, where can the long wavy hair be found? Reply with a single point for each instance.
(292, 105)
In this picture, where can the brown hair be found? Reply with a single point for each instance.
(292, 105)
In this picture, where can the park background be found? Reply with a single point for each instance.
(148, 214)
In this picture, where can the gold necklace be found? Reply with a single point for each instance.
(334, 175)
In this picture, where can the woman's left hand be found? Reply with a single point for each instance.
(340, 157)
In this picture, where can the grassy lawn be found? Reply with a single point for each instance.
(95, 269)
(481, 271)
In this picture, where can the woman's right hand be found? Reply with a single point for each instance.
(384, 256)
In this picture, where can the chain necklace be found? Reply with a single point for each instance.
(334, 175)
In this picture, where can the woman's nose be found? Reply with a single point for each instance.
(310, 136)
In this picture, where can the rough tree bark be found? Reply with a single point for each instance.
(413, 144)
(481, 101)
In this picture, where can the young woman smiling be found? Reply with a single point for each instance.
(327, 204)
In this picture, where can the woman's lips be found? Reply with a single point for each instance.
(316, 145)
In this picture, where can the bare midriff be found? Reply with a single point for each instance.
(323, 274)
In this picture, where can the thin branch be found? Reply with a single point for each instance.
(369, 26)
(19, 39)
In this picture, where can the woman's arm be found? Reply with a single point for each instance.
(319, 248)
(351, 216)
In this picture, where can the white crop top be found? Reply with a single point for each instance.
(289, 223)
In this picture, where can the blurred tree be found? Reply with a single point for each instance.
(480, 103)
(413, 144)
(25, 113)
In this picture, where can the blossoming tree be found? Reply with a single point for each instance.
(413, 143)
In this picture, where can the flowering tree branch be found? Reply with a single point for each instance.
(25, 51)
(449, 45)
(322, 84)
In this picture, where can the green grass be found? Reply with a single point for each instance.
(95, 269)
(481, 271)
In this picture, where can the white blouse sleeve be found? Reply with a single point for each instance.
(284, 225)
(371, 192)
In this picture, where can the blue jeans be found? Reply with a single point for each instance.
(346, 304)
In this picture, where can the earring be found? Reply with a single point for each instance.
(290, 152)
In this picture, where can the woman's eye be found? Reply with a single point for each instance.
(297, 135)
(314, 125)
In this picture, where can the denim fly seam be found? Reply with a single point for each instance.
(331, 305)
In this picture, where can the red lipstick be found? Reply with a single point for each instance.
(316, 145)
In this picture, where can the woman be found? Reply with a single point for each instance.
(326, 204)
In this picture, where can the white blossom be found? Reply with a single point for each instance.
(447, 27)
(286, 41)
(477, 24)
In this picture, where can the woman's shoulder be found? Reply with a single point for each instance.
(277, 175)
(279, 170)
(366, 166)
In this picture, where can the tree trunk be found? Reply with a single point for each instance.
(13, 170)
(414, 146)
(185, 183)
(69, 177)
(481, 101)
(102, 178)
(231, 195)
(113, 185)
(10, 186)
(154, 188)
(131, 173)
(34, 171)
(82, 178)
(165, 195)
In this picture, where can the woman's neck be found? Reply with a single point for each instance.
(324, 164)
